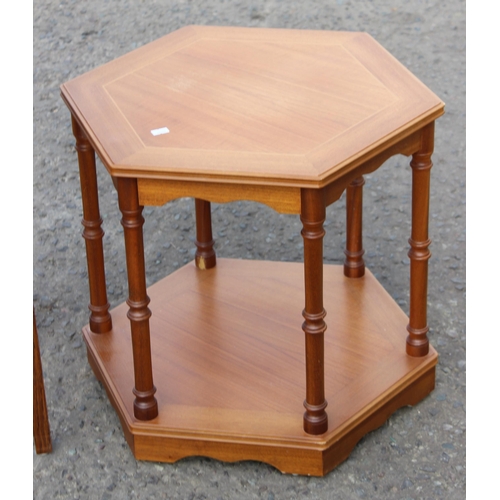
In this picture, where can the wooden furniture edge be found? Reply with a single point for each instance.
(337, 171)
(108, 385)
(428, 364)
(308, 460)
(135, 429)
(405, 143)
(412, 394)
(283, 199)
(78, 116)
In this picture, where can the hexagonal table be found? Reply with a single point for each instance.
(292, 119)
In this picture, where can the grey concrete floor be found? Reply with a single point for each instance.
(420, 452)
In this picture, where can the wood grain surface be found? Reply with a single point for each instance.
(229, 364)
(255, 105)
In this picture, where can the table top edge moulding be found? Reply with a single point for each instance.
(211, 360)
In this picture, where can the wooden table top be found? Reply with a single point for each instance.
(250, 105)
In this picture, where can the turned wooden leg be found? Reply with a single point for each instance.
(100, 319)
(417, 343)
(145, 404)
(354, 265)
(41, 428)
(205, 253)
(312, 216)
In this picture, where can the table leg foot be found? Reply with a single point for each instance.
(315, 418)
(145, 404)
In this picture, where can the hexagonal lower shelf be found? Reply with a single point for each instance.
(229, 366)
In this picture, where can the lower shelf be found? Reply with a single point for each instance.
(229, 366)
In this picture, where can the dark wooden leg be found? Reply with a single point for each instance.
(145, 404)
(417, 343)
(41, 428)
(313, 214)
(205, 253)
(100, 319)
(354, 265)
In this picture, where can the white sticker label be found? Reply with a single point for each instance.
(160, 131)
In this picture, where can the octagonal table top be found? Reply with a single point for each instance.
(248, 105)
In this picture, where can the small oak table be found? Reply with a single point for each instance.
(218, 366)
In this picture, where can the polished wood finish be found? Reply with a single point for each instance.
(417, 343)
(41, 426)
(205, 253)
(249, 105)
(229, 365)
(145, 404)
(354, 265)
(371, 161)
(313, 215)
(289, 118)
(100, 319)
(283, 199)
